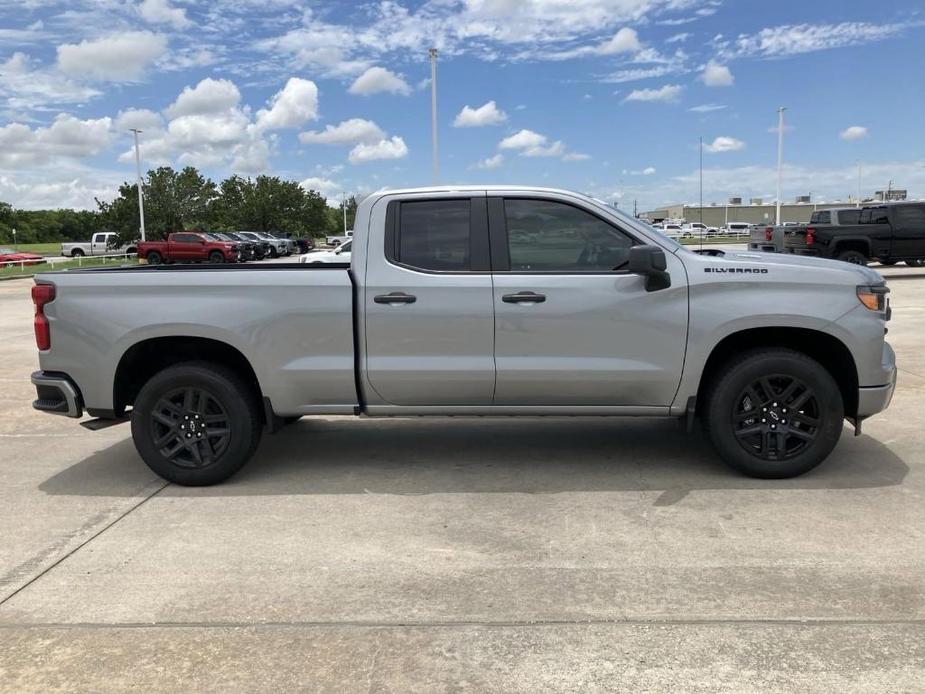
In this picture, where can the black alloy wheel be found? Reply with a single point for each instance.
(190, 427)
(154, 258)
(776, 417)
(196, 423)
(216, 257)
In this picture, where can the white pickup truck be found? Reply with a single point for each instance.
(101, 243)
(472, 301)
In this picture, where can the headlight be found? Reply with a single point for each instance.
(873, 296)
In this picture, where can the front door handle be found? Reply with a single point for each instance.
(524, 298)
(395, 298)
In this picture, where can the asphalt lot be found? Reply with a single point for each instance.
(462, 555)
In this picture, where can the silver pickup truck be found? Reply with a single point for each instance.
(472, 301)
(101, 243)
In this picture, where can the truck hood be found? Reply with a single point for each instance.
(856, 274)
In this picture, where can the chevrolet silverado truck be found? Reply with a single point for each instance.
(886, 233)
(471, 301)
(189, 247)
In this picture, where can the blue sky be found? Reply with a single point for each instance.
(607, 97)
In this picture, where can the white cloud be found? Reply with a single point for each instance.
(716, 75)
(679, 38)
(575, 156)
(376, 80)
(116, 58)
(69, 189)
(25, 87)
(805, 38)
(487, 114)
(394, 148)
(489, 162)
(626, 40)
(292, 106)
(162, 12)
(139, 118)
(348, 132)
(707, 108)
(669, 92)
(532, 144)
(67, 137)
(320, 184)
(723, 143)
(209, 96)
(854, 132)
(648, 171)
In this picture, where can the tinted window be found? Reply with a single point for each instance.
(434, 235)
(874, 215)
(547, 236)
(824, 217)
(186, 238)
(849, 216)
(910, 217)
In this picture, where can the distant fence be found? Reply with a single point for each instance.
(79, 261)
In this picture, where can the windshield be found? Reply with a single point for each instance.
(344, 247)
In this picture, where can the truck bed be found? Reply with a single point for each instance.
(293, 322)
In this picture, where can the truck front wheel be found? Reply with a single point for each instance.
(774, 413)
(196, 423)
(216, 257)
(154, 258)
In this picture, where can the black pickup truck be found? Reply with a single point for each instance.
(887, 233)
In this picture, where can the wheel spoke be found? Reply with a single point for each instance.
(805, 419)
(164, 419)
(802, 435)
(784, 418)
(161, 441)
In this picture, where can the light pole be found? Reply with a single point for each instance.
(780, 156)
(141, 204)
(857, 203)
(14, 239)
(433, 110)
(344, 194)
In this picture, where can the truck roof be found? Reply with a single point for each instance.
(450, 188)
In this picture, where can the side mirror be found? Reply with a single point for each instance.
(650, 262)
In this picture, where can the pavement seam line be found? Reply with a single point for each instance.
(83, 544)
(360, 624)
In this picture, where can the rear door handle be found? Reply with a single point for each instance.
(524, 298)
(395, 298)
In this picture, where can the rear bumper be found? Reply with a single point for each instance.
(56, 394)
(874, 399)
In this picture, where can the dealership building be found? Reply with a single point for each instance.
(755, 210)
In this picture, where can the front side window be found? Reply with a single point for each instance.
(434, 235)
(549, 236)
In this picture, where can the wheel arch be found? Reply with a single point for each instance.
(825, 348)
(852, 243)
(147, 357)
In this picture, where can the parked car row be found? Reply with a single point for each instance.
(692, 230)
(885, 233)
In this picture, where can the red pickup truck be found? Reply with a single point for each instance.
(188, 247)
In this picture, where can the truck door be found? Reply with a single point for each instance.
(572, 327)
(98, 244)
(908, 231)
(427, 300)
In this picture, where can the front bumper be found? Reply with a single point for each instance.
(57, 394)
(874, 399)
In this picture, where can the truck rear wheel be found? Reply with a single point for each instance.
(853, 257)
(774, 413)
(77, 253)
(196, 423)
(154, 258)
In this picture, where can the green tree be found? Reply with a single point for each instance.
(268, 203)
(173, 200)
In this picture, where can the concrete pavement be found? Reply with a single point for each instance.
(462, 555)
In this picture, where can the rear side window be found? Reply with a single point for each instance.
(849, 216)
(911, 217)
(824, 217)
(433, 235)
(550, 236)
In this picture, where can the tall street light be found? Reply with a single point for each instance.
(433, 109)
(141, 204)
(780, 155)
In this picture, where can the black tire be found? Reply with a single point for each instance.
(216, 257)
(740, 416)
(77, 253)
(888, 262)
(273, 252)
(853, 257)
(917, 262)
(171, 422)
(154, 258)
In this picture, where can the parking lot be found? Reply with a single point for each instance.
(462, 554)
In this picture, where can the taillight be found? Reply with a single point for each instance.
(41, 295)
(810, 236)
(769, 234)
